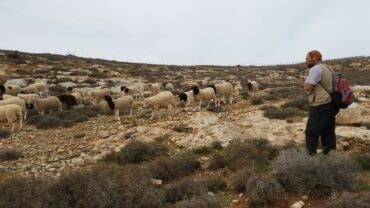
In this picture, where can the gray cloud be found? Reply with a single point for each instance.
(215, 32)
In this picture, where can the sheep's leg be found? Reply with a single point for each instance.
(130, 113)
(118, 118)
(13, 126)
(200, 104)
(209, 103)
(25, 115)
(20, 123)
(152, 114)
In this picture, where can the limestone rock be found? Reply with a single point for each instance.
(104, 134)
(350, 115)
(298, 204)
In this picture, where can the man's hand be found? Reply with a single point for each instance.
(308, 87)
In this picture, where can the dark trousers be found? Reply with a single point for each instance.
(321, 123)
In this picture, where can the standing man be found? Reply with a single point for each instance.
(321, 113)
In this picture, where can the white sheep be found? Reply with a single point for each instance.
(136, 90)
(45, 104)
(169, 87)
(7, 97)
(164, 99)
(41, 88)
(98, 95)
(188, 98)
(12, 89)
(16, 101)
(120, 104)
(223, 91)
(26, 97)
(237, 88)
(29, 90)
(252, 87)
(205, 81)
(84, 93)
(207, 94)
(78, 97)
(11, 113)
(154, 88)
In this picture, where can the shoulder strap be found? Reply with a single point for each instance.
(332, 77)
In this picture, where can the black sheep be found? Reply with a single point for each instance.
(69, 100)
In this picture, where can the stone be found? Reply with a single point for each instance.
(2, 169)
(298, 204)
(104, 134)
(156, 182)
(304, 198)
(350, 115)
(78, 161)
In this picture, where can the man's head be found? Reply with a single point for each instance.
(313, 58)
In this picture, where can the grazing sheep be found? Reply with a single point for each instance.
(69, 100)
(98, 95)
(169, 87)
(45, 104)
(205, 81)
(16, 101)
(41, 88)
(154, 89)
(12, 89)
(83, 92)
(188, 98)
(19, 82)
(7, 97)
(29, 90)
(237, 88)
(136, 90)
(223, 90)
(252, 87)
(120, 104)
(207, 94)
(26, 97)
(163, 99)
(12, 113)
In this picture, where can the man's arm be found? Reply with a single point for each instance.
(308, 87)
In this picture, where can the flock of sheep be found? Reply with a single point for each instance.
(15, 100)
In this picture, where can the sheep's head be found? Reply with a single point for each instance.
(250, 86)
(195, 89)
(183, 97)
(2, 89)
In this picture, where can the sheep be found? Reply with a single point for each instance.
(223, 90)
(169, 87)
(136, 90)
(7, 97)
(163, 99)
(45, 104)
(252, 87)
(205, 81)
(29, 90)
(41, 88)
(19, 82)
(16, 101)
(26, 97)
(11, 113)
(154, 89)
(69, 100)
(188, 98)
(97, 95)
(123, 103)
(206, 94)
(237, 88)
(83, 92)
(12, 89)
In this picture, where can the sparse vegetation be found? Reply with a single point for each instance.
(10, 154)
(348, 200)
(263, 190)
(300, 102)
(202, 201)
(363, 160)
(4, 133)
(216, 161)
(239, 179)
(256, 100)
(273, 112)
(298, 172)
(136, 152)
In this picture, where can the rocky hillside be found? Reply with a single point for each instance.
(56, 150)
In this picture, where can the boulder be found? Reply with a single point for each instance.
(350, 115)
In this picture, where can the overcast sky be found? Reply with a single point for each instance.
(188, 32)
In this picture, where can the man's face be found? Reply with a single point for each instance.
(310, 62)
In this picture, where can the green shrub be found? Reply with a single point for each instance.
(203, 201)
(165, 168)
(24, 192)
(348, 200)
(363, 160)
(216, 161)
(186, 188)
(239, 179)
(273, 112)
(263, 191)
(298, 172)
(136, 152)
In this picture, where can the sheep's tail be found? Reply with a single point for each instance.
(214, 87)
(109, 101)
(195, 90)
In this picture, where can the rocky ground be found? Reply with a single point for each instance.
(52, 152)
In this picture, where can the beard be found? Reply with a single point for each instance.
(310, 65)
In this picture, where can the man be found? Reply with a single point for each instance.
(321, 113)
